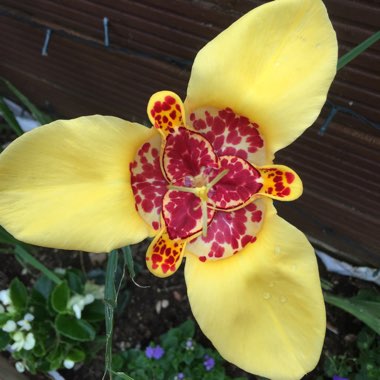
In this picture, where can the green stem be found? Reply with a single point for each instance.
(357, 50)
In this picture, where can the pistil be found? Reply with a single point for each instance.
(202, 193)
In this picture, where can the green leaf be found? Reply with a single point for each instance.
(188, 329)
(4, 317)
(7, 238)
(76, 355)
(73, 328)
(129, 260)
(44, 286)
(110, 298)
(37, 114)
(18, 294)
(75, 282)
(365, 307)
(122, 375)
(4, 340)
(60, 297)
(10, 118)
(94, 312)
(356, 51)
(29, 259)
(56, 356)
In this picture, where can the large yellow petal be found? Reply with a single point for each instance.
(67, 185)
(274, 66)
(262, 308)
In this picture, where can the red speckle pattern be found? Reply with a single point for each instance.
(166, 113)
(277, 182)
(164, 255)
(240, 183)
(183, 214)
(229, 232)
(187, 154)
(230, 134)
(192, 158)
(148, 183)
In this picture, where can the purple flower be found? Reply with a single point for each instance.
(179, 376)
(336, 377)
(209, 363)
(154, 352)
(189, 344)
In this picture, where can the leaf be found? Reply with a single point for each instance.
(76, 355)
(44, 286)
(10, 118)
(18, 294)
(29, 259)
(73, 328)
(75, 282)
(365, 307)
(122, 375)
(60, 297)
(7, 238)
(94, 312)
(356, 51)
(188, 329)
(4, 340)
(37, 114)
(110, 298)
(4, 317)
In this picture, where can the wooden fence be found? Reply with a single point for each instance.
(152, 46)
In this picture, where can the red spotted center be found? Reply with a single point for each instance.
(201, 183)
(196, 187)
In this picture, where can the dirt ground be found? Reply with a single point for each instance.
(139, 322)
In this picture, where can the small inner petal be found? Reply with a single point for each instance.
(182, 212)
(238, 186)
(280, 183)
(230, 134)
(148, 182)
(164, 255)
(187, 155)
(166, 111)
(229, 232)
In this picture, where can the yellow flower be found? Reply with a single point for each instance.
(257, 296)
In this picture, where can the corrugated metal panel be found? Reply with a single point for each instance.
(152, 46)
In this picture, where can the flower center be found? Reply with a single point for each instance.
(201, 192)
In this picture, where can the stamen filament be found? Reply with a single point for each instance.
(201, 193)
(217, 179)
(193, 190)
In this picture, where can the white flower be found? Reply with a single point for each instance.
(5, 298)
(20, 367)
(67, 363)
(30, 342)
(96, 290)
(61, 271)
(25, 323)
(28, 317)
(19, 340)
(22, 341)
(91, 292)
(10, 326)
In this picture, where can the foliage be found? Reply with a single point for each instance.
(365, 306)
(366, 366)
(178, 356)
(51, 326)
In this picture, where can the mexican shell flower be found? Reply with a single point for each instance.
(202, 183)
